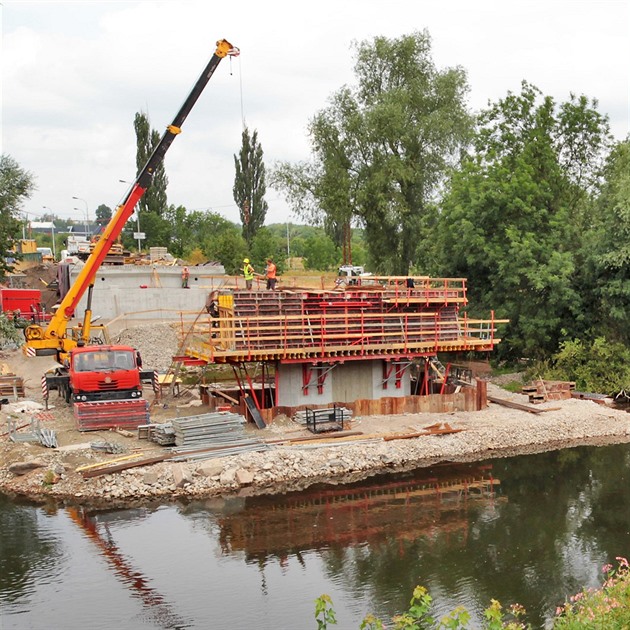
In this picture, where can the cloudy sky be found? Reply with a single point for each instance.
(74, 74)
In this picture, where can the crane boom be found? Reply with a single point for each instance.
(54, 339)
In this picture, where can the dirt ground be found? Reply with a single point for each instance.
(495, 431)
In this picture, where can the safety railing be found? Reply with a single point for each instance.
(326, 335)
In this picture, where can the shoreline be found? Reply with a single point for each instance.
(488, 434)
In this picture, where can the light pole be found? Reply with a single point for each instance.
(87, 215)
(288, 247)
(137, 211)
(52, 231)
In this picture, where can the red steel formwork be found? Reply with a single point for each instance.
(381, 317)
(126, 414)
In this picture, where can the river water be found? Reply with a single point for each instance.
(532, 529)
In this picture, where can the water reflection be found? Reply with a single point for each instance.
(402, 509)
(531, 530)
(97, 529)
(28, 549)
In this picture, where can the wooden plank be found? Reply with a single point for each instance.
(234, 401)
(87, 474)
(514, 405)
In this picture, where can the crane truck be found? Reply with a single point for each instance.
(87, 372)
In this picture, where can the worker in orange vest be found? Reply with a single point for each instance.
(270, 274)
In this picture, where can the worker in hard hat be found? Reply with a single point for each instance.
(248, 274)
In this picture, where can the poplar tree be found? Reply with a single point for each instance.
(250, 186)
(153, 206)
(154, 199)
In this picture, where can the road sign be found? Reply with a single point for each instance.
(139, 236)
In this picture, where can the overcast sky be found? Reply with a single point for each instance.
(74, 74)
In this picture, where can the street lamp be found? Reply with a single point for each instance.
(52, 231)
(137, 211)
(288, 247)
(87, 216)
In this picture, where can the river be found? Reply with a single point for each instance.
(531, 529)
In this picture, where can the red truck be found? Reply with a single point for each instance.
(23, 303)
(98, 373)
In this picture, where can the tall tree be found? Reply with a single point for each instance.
(381, 150)
(154, 199)
(249, 185)
(515, 217)
(16, 185)
(611, 247)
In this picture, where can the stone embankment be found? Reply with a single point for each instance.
(497, 431)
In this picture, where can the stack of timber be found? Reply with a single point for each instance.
(11, 385)
(215, 434)
(541, 391)
(126, 414)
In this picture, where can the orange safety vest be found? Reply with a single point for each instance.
(271, 271)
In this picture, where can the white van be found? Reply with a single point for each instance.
(46, 253)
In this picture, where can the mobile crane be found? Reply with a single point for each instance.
(59, 339)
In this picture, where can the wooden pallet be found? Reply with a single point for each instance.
(12, 385)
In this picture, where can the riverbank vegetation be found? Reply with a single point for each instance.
(606, 607)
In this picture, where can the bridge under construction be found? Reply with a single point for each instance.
(357, 342)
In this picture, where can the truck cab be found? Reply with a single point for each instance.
(351, 275)
(98, 373)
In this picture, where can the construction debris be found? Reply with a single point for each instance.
(106, 447)
(48, 438)
(12, 385)
(440, 428)
(541, 391)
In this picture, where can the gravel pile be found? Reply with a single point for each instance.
(157, 343)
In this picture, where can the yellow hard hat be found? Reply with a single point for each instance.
(246, 260)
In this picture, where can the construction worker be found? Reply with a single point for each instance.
(270, 274)
(185, 276)
(248, 274)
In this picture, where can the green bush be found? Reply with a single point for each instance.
(595, 609)
(607, 607)
(9, 333)
(599, 366)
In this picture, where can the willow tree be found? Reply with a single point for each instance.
(517, 217)
(382, 148)
(16, 186)
(611, 247)
(249, 185)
